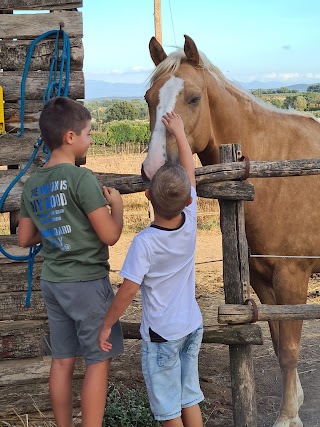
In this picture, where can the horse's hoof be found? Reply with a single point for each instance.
(288, 422)
(296, 422)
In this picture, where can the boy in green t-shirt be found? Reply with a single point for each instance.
(63, 207)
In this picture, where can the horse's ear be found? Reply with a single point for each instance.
(156, 51)
(191, 51)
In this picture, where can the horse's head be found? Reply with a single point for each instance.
(178, 83)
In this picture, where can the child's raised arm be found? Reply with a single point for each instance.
(174, 124)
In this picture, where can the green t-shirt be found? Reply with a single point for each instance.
(58, 199)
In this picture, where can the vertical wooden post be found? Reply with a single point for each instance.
(157, 20)
(236, 278)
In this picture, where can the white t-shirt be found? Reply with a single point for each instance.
(162, 262)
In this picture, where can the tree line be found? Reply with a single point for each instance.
(287, 98)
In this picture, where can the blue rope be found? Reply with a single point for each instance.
(32, 253)
(52, 79)
(6, 193)
(54, 88)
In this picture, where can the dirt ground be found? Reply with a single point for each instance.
(214, 359)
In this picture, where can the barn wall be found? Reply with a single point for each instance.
(24, 340)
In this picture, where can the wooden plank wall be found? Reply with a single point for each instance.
(24, 341)
(16, 34)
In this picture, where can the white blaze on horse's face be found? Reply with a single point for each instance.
(157, 153)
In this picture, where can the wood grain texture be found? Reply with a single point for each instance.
(13, 54)
(30, 26)
(39, 4)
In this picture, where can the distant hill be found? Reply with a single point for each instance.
(301, 87)
(97, 89)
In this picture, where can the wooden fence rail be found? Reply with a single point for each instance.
(237, 314)
(215, 181)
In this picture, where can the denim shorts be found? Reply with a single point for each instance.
(75, 314)
(170, 371)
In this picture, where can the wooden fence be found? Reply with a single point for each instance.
(24, 332)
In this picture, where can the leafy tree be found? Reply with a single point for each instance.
(314, 88)
(276, 102)
(120, 132)
(121, 110)
(298, 102)
(142, 107)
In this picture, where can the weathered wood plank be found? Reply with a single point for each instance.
(19, 271)
(258, 169)
(24, 385)
(16, 151)
(30, 26)
(126, 185)
(13, 54)
(8, 239)
(34, 370)
(23, 339)
(30, 338)
(228, 190)
(36, 84)
(40, 4)
(12, 202)
(236, 314)
(21, 399)
(213, 334)
(12, 306)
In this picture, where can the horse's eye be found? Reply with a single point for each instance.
(195, 100)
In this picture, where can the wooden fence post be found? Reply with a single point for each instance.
(236, 283)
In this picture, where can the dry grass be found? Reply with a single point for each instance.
(4, 223)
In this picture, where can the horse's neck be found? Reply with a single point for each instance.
(264, 133)
(232, 116)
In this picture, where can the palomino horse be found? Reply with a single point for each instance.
(284, 217)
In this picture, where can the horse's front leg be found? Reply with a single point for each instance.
(290, 284)
(292, 393)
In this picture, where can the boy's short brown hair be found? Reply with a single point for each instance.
(60, 115)
(170, 190)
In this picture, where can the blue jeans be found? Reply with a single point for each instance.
(170, 371)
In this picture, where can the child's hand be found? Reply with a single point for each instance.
(174, 124)
(103, 337)
(112, 195)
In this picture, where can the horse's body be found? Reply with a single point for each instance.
(284, 217)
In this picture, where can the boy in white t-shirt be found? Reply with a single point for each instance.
(161, 261)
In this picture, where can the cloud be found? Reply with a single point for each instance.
(118, 72)
(282, 76)
(286, 47)
(292, 78)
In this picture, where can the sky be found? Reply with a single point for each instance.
(248, 40)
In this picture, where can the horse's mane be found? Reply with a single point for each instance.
(173, 61)
(171, 64)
